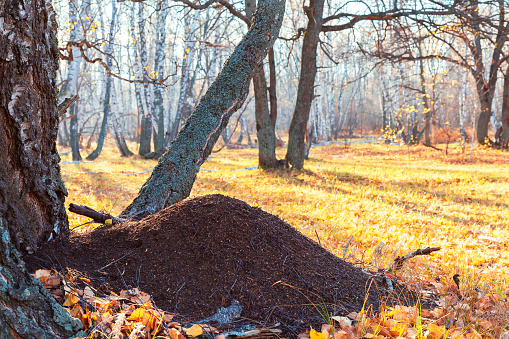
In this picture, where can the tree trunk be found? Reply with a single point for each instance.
(144, 131)
(117, 125)
(159, 73)
(75, 137)
(306, 88)
(174, 176)
(265, 130)
(71, 86)
(186, 75)
(149, 117)
(32, 193)
(109, 80)
(504, 137)
(272, 89)
(425, 103)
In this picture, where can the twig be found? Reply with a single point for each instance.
(431, 146)
(398, 262)
(114, 261)
(317, 237)
(64, 105)
(98, 217)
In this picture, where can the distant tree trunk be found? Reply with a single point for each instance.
(32, 193)
(117, 125)
(109, 80)
(504, 137)
(70, 87)
(306, 88)
(264, 124)
(186, 74)
(145, 134)
(425, 102)
(174, 176)
(75, 137)
(272, 88)
(142, 45)
(159, 73)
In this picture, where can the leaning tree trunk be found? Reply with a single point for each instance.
(306, 89)
(174, 176)
(32, 193)
(109, 80)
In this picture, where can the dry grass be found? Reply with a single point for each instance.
(407, 198)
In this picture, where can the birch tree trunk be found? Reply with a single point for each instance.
(144, 134)
(109, 80)
(174, 176)
(186, 72)
(117, 125)
(32, 193)
(70, 87)
(142, 45)
(159, 73)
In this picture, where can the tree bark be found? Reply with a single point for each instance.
(174, 176)
(31, 189)
(306, 88)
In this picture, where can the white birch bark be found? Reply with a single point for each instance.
(189, 48)
(159, 69)
(144, 64)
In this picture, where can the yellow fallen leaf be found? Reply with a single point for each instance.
(194, 330)
(108, 222)
(435, 331)
(143, 316)
(70, 300)
(313, 334)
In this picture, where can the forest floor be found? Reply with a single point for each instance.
(365, 203)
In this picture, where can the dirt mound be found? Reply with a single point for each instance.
(197, 255)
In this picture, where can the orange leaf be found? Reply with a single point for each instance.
(70, 300)
(144, 317)
(194, 330)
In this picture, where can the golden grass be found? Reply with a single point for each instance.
(391, 199)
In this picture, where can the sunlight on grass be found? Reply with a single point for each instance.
(396, 197)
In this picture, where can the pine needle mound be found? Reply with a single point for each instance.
(200, 254)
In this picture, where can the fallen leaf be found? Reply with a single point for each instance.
(313, 334)
(143, 316)
(435, 331)
(70, 300)
(194, 330)
(42, 275)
